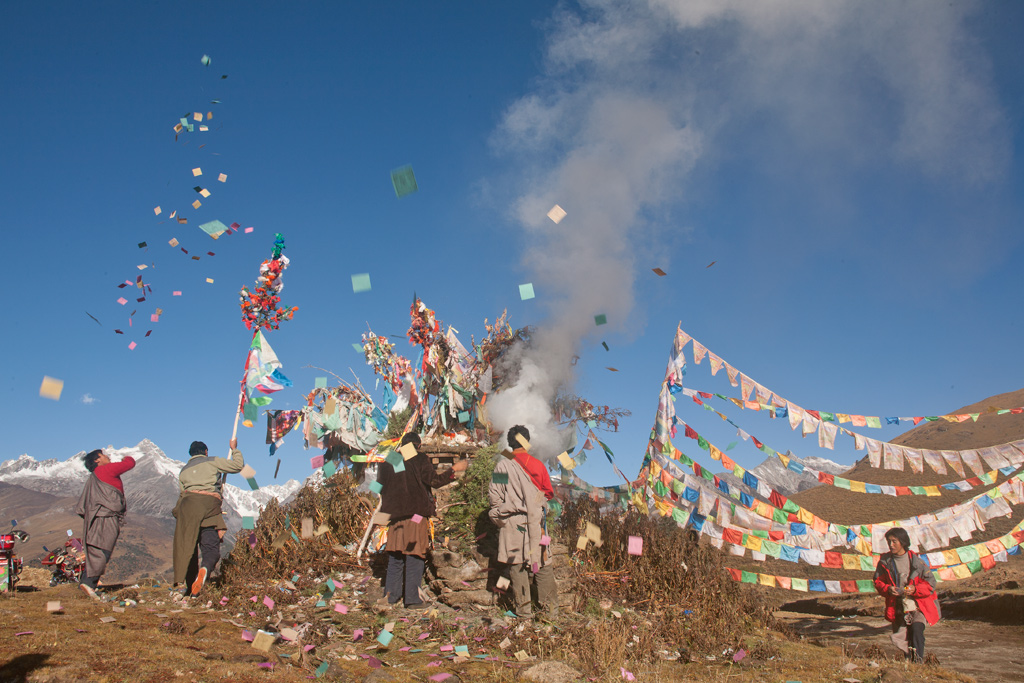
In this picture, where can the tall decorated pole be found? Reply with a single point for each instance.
(261, 308)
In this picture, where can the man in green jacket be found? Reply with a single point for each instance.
(200, 522)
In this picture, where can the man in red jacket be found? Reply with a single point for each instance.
(102, 507)
(909, 589)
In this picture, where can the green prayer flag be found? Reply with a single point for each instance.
(874, 422)
(780, 516)
(918, 490)
(680, 516)
(975, 566)
(702, 442)
(749, 577)
(799, 584)
(841, 483)
(867, 564)
(791, 507)
(865, 586)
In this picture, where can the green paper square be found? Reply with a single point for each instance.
(248, 523)
(526, 291)
(464, 416)
(358, 348)
(404, 181)
(376, 487)
(320, 383)
(499, 478)
(214, 228)
(600, 319)
(252, 484)
(329, 469)
(361, 282)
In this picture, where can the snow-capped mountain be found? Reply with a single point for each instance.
(786, 481)
(151, 487)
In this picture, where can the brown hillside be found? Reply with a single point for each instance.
(846, 507)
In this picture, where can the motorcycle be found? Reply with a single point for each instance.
(67, 562)
(10, 564)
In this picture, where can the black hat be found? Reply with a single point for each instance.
(197, 448)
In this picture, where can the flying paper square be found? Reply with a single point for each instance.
(209, 280)
(196, 204)
(329, 469)
(376, 487)
(307, 527)
(176, 292)
(464, 416)
(416, 519)
(556, 214)
(636, 545)
(357, 347)
(408, 451)
(565, 461)
(142, 245)
(248, 230)
(526, 291)
(248, 523)
(404, 181)
(214, 228)
(204, 193)
(600, 319)
(51, 388)
(499, 478)
(223, 177)
(320, 383)
(545, 540)
(523, 442)
(131, 347)
(197, 172)
(157, 210)
(198, 116)
(659, 272)
(316, 462)
(268, 602)
(384, 638)
(361, 282)
(122, 300)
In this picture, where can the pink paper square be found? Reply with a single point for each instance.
(447, 648)
(224, 600)
(154, 318)
(132, 346)
(317, 462)
(440, 677)
(416, 519)
(307, 648)
(636, 545)
(122, 300)
(247, 635)
(357, 635)
(545, 540)
(341, 608)
(268, 602)
(248, 230)
(177, 292)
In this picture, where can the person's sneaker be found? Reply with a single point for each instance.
(88, 590)
(418, 606)
(200, 581)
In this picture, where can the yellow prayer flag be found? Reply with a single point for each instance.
(932, 490)
(857, 486)
(766, 580)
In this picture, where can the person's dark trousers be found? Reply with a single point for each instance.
(407, 569)
(209, 543)
(916, 650)
(94, 581)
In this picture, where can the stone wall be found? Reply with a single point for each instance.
(467, 580)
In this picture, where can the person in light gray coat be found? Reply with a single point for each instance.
(101, 506)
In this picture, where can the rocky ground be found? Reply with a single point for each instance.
(141, 634)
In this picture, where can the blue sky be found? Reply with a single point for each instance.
(853, 170)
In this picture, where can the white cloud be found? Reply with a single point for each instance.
(88, 399)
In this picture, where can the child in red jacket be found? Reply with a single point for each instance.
(909, 589)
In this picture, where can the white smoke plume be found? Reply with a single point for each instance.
(635, 96)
